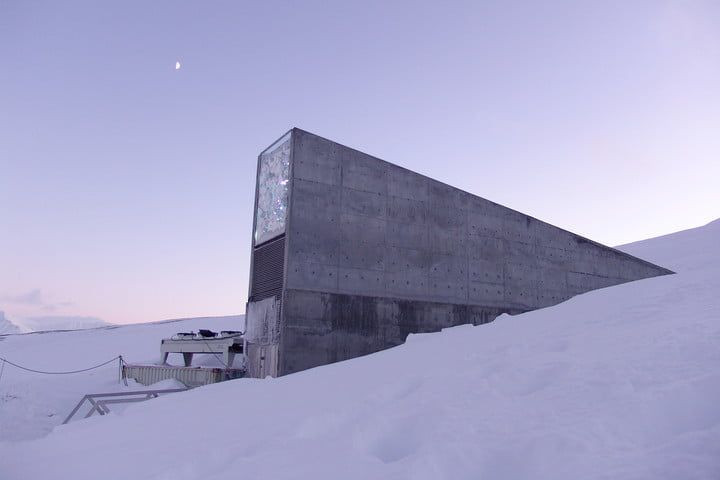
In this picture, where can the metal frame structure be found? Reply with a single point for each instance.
(99, 401)
(227, 346)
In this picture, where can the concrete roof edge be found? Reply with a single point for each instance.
(663, 270)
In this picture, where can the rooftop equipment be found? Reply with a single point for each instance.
(224, 346)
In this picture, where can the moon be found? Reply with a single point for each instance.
(177, 65)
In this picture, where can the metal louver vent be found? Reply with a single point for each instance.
(268, 263)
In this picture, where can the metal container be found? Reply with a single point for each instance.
(189, 376)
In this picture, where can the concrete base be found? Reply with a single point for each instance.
(322, 328)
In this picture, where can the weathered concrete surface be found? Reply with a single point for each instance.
(323, 328)
(376, 241)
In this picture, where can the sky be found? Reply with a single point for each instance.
(127, 186)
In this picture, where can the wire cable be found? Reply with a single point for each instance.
(5, 360)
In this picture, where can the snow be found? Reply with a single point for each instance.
(6, 326)
(31, 405)
(56, 322)
(48, 323)
(684, 251)
(621, 382)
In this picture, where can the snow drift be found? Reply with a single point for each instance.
(617, 383)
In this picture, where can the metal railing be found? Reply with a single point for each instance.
(99, 401)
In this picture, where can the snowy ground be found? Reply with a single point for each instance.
(31, 405)
(618, 383)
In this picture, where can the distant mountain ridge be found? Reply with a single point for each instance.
(48, 323)
(6, 326)
(39, 324)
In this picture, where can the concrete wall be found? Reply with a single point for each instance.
(369, 237)
(322, 328)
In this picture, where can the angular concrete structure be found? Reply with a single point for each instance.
(350, 254)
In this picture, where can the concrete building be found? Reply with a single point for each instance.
(351, 253)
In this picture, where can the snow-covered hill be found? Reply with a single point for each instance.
(48, 323)
(55, 322)
(684, 251)
(619, 383)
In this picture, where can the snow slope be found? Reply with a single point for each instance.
(685, 251)
(619, 383)
(55, 322)
(32, 404)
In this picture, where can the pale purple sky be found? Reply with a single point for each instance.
(126, 187)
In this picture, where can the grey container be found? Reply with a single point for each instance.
(188, 376)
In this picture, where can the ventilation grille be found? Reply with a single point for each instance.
(268, 262)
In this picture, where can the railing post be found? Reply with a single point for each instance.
(95, 406)
(100, 405)
(77, 407)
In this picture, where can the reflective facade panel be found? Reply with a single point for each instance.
(273, 182)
